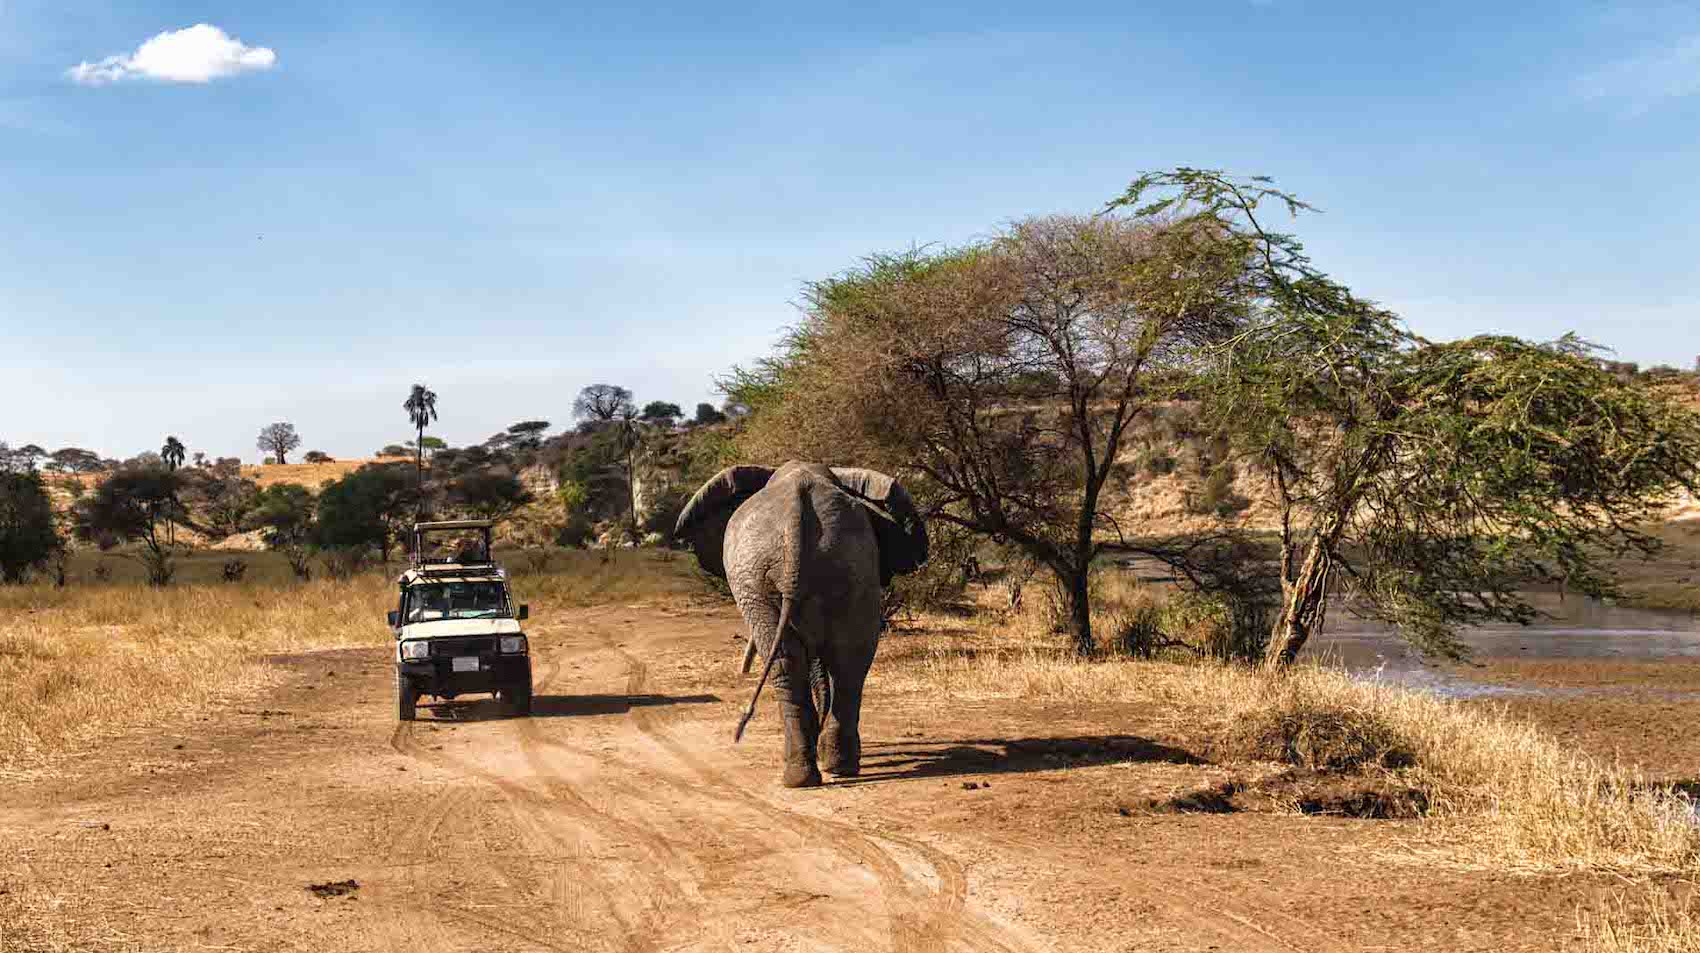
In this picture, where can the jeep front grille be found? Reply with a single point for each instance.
(445, 648)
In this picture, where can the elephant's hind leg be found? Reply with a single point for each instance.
(841, 741)
(802, 722)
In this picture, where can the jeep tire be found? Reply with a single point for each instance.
(406, 697)
(517, 698)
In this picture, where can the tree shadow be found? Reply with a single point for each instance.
(558, 706)
(915, 760)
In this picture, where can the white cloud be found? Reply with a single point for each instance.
(1669, 73)
(197, 54)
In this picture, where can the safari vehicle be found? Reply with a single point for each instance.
(457, 629)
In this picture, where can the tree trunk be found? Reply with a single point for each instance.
(1078, 596)
(631, 490)
(1304, 604)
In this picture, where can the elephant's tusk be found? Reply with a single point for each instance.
(749, 654)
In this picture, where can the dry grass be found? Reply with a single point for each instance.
(1506, 795)
(31, 921)
(80, 663)
(1655, 923)
(88, 661)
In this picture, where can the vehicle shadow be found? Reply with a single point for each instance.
(917, 760)
(558, 706)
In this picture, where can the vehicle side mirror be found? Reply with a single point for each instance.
(524, 613)
(394, 618)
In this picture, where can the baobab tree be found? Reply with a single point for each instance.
(278, 439)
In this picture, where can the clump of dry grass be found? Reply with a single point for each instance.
(1510, 795)
(1656, 923)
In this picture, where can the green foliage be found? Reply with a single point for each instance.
(367, 508)
(1437, 480)
(661, 412)
(490, 494)
(285, 510)
(172, 453)
(1216, 496)
(1155, 460)
(29, 537)
(707, 414)
(127, 507)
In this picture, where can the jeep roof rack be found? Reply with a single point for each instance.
(453, 524)
(481, 557)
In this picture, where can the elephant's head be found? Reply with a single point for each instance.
(703, 520)
(901, 530)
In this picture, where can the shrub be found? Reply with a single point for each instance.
(1155, 460)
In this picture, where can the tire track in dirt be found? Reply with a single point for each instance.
(407, 921)
(921, 919)
(580, 905)
(558, 816)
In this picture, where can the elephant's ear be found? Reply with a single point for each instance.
(898, 524)
(703, 521)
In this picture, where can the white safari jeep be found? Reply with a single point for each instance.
(457, 629)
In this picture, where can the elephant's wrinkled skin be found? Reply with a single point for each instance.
(815, 545)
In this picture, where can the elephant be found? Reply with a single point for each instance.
(807, 550)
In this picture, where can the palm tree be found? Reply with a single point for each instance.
(172, 454)
(421, 407)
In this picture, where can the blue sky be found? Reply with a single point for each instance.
(510, 201)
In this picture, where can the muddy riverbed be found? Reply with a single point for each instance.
(1575, 630)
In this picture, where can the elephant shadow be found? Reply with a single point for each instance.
(916, 760)
(562, 706)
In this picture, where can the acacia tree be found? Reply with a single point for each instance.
(369, 507)
(29, 537)
(1432, 482)
(125, 508)
(490, 494)
(1002, 376)
(285, 510)
(527, 434)
(661, 413)
(278, 440)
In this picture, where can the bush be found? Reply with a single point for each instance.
(1308, 733)
(940, 583)
(1217, 497)
(1155, 460)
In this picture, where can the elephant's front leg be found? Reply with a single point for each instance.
(802, 722)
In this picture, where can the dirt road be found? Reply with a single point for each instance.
(620, 818)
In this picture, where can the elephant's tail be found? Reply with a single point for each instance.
(772, 654)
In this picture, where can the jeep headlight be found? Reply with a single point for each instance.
(513, 645)
(415, 650)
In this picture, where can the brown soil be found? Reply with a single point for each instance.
(1639, 711)
(622, 818)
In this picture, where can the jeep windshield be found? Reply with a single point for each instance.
(430, 601)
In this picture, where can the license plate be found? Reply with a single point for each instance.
(466, 663)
